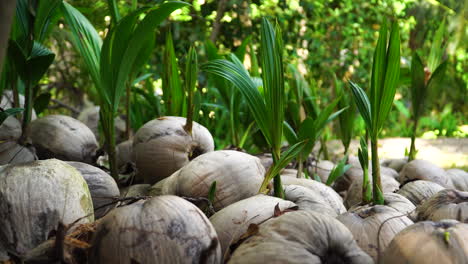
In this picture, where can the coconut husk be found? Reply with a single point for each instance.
(318, 200)
(300, 237)
(162, 146)
(322, 169)
(374, 227)
(135, 190)
(354, 194)
(233, 221)
(419, 191)
(125, 155)
(459, 179)
(446, 204)
(424, 170)
(343, 183)
(396, 164)
(102, 187)
(35, 197)
(163, 229)
(62, 137)
(238, 176)
(11, 152)
(429, 243)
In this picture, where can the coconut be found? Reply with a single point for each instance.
(424, 170)
(237, 175)
(396, 164)
(35, 197)
(233, 221)
(10, 151)
(300, 237)
(354, 194)
(135, 190)
(90, 117)
(343, 183)
(164, 229)
(364, 222)
(102, 187)
(266, 159)
(162, 146)
(418, 191)
(459, 179)
(446, 204)
(62, 137)
(429, 243)
(290, 173)
(322, 169)
(321, 201)
(399, 203)
(124, 154)
(7, 100)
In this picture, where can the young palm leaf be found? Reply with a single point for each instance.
(173, 92)
(374, 110)
(363, 156)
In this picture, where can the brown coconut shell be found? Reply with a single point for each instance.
(238, 176)
(429, 243)
(162, 146)
(419, 191)
(459, 179)
(35, 197)
(424, 170)
(102, 187)
(446, 204)
(234, 220)
(364, 222)
(164, 229)
(300, 237)
(62, 137)
(314, 200)
(354, 194)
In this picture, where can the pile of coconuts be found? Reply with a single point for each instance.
(190, 203)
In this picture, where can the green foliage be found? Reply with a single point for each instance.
(212, 192)
(173, 92)
(363, 156)
(4, 114)
(338, 171)
(374, 110)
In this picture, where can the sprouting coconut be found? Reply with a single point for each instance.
(321, 201)
(135, 190)
(419, 191)
(322, 169)
(343, 183)
(11, 152)
(354, 194)
(429, 243)
(396, 164)
(459, 179)
(237, 175)
(266, 159)
(162, 146)
(124, 154)
(233, 221)
(163, 229)
(424, 170)
(62, 137)
(35, 197)
(300, 237)
(7, 101)
(90, 117)
(399, 203)
(102, 187)
(446, 204)
(364, 223)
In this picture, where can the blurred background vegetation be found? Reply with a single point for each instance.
(330, 41)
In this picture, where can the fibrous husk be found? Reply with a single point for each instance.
(419, 191)
(364, 223)
(459, 179)
(90, 117)
(163, 229)
(11, 152)
(62, 137)
(322, 169)
(429, 243)
(320, 200)
(424, 170)
(238, 176)
(446, 204)
(300, 237)
(102, 187)
(354, 194)
(399, 203)
(124, 154)
(162, 146)
(233, 221)
(35, 197)
(136, 190)
(396, 164)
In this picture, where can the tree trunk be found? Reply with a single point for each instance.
(217, 22)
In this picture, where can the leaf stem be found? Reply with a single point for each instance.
(376, 183)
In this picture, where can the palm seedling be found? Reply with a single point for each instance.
(347, 118)
(375, 108)
(113, 62)
(424, 82)
(267, 108)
